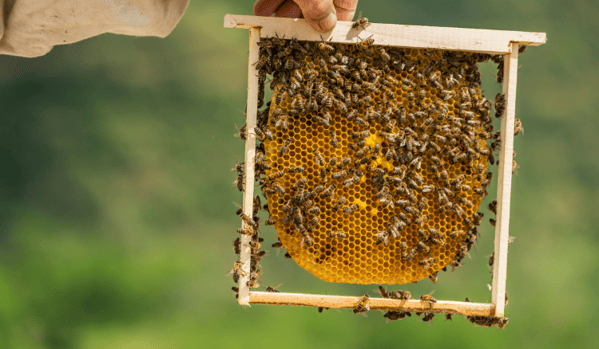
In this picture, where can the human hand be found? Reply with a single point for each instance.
(322, 15)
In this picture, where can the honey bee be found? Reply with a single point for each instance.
(294, 85)
(248, 220)
(351, 208)
(361, 122)
(518, 127)
(428, 317)
(339, 203)
(412, 254)
(343, 163)
(312, 210)
(340, 105)
(362, 305)
(272, 289)
(492, 221)
(384, 55)
(383, 236)
(493, 206)
(361, 22)
(298, 102)
(352, 180)
(337, 234)
(274, 176)
(325, 119)
(422, 234)
(258, 255)
(328, 191)
(428, 298)
(307, 239)
(362, 152)
(277, 244)
(296, 169)
(325, 48)
(261, 62)
(242, 133)
(312, 105)
(236, 271)
(499, 105)
(334, 141)
(448, 316)
(298, 217)
(341, 69)
(422, 247)
(403, 248)
(262, 135)
(237, 246)
(491, 259)
(289, 63)
(282, 122)
(391, 154)
(454, 264)
(404, 295)
(318, 157)
(383, 292)
(438, 242)
(390, 125)
(352, 114)
(428, 262)
(278, 188)
(448, 94)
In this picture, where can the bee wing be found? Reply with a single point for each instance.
(431, 293)
(359, 16)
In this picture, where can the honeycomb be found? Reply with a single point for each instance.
(415, 127)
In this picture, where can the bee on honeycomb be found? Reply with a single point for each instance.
(393, 147)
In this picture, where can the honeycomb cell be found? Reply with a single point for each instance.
(420, 127)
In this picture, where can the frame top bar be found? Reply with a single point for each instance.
(445, 38)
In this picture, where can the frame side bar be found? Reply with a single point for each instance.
(348, 302)
(250, 155)
(510, 74)
(447, 38)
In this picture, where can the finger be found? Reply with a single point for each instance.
(289, 9)
(346, 9)
(266, 7)
(320, 14)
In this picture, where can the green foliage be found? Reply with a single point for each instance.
(117, 214)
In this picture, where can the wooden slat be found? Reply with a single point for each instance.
(460, 39)
(250, 155)
(502, 232)
(329, 301)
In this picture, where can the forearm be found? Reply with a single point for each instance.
(33, 27)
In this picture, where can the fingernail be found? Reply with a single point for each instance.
(328, 23)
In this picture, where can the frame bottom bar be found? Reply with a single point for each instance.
(348, 302)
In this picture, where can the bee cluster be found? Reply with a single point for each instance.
(486, 321)
(373, 159)
(251, 229)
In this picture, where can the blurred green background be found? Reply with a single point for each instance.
(117, 214)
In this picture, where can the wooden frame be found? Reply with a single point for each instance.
(458, 39)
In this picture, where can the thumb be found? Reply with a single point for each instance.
(320, 14)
